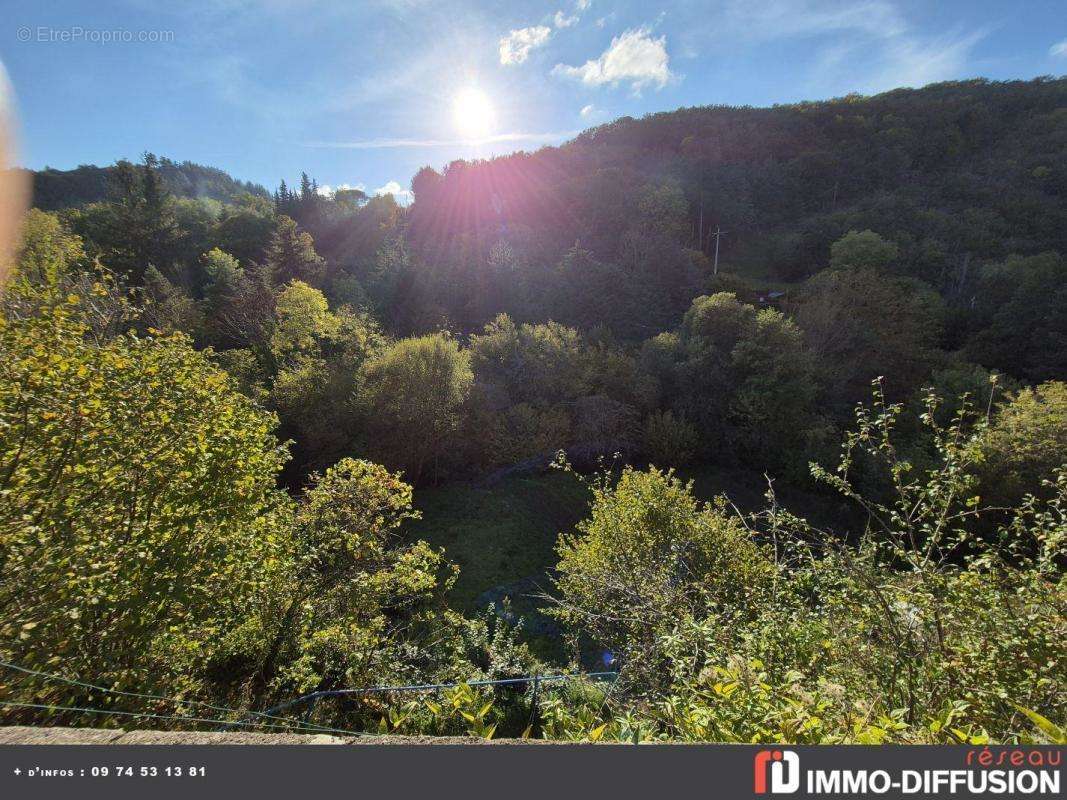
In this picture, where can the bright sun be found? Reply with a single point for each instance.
(472, 113)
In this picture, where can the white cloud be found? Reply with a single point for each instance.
(777, 19)
(909, 61)
(1059, 49)
(329, 191)
(582, 5)
(864, 45)
(402, 195)
(516, 46)
(588, 111)
(634, 57)
(563, 21)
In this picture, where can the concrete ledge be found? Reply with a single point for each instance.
(32, 735)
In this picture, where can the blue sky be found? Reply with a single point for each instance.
(363, 93)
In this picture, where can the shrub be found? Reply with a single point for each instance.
(1026, 443)
(413, 392)
(137, 498)
(649, 556)
(915, 629)
(669, 440)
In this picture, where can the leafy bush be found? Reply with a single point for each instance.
(138, 496)
(1026, 443)
(669, 440)
(862, 250)
(413, 392)
(649, 556)
(915, 629)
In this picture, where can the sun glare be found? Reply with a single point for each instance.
(472, 113)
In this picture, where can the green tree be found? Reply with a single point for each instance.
(49, 251)
(318, 357)
(543, 364)
(663, 210)
(166, 307)
(356, 604)
(241, 307)
(414, 391)
(291, 255)
(860, 324)
(138, 227)
(307, 193)
(1025, 444)
(1024, 301)
(711, 329)
(863, 250)
(669, 440)
(136, 501)
(745, 378)
(774, 411)
(649, 557)
(224, 275)
(303, 322)
(351, 197)
(245, 229)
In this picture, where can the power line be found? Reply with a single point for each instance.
(431, 687)
(149, 715)
(270, 714)
(174, 701)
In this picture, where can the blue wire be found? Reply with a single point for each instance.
(270, 713)
(162, 716)
(428, 687)
(175, 702)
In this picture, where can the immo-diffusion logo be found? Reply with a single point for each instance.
(783, 767)
(1011, 771)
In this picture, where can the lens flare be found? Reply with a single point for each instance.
(472, 113)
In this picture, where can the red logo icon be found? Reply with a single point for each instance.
(784, 769)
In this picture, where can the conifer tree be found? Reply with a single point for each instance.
(291, 255)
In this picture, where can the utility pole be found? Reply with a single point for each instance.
(716, 233)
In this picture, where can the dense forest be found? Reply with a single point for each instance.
(778, 394)
(54, 189)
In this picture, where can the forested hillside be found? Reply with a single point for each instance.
(954, 175)
(219, 410)
(57, 188)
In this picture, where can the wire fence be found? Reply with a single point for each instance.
(271, 718)
(177, 702)
(312, 729)
(535, 680)
(261, 717)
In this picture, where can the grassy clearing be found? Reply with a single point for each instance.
(506, 532)
(501, 533)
